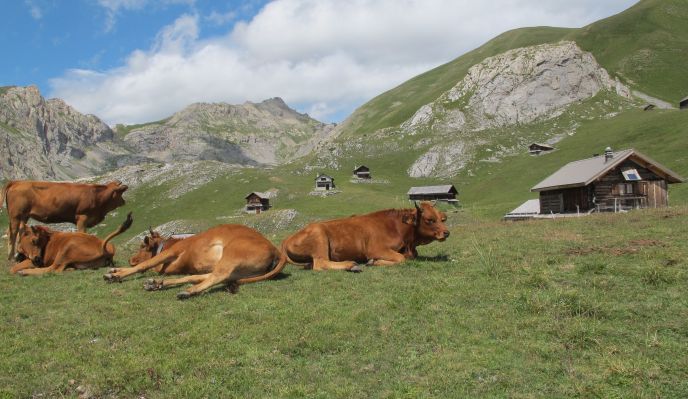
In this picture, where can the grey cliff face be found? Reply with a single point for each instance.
(515, 88)
(48, 139)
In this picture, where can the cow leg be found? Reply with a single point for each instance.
(14, 227)
(209, 281)
(389, 258)
(118, 274)
(81, 223)
(55, 267)
(26, 264)
(325, 264)
(153, 285)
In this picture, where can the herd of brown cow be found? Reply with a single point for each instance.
(228, 254)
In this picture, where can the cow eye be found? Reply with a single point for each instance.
(431, 221)
(34, 241)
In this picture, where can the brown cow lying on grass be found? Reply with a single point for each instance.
(231, 254)
(52, 251)
(55, 202)
(153, 244)
(380, 238)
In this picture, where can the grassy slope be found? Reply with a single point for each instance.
(395, 106)
(660, 135)
(536, 309)
(645, 45)
(590, 307)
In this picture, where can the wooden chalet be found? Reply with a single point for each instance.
(324, 183)
(445, 193)
(683, 104)
(537, 148)
(362, 172)
(615, 181)
(257, 202)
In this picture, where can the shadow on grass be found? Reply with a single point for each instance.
(436, 258)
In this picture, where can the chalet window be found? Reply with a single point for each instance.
(631, 175)
(625, 188)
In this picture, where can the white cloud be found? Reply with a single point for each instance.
(324, 56)
(34, 9)
(217, 18)
(114, 7)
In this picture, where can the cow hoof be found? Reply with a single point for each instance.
(356, 269)
(183, 295)
(232, 287)
(113, 270)
(21, 273)
(370, 262)
(111, 278)
(152, 285)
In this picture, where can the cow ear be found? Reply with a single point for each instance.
(146, 240)
(121, 188)
(411, 218)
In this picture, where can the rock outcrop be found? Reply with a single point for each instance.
(249, 134)
(518, 87)
(48, 139)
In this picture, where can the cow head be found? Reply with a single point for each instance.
(114, 192)
(148, 248)
(429, 223)
(32, 241)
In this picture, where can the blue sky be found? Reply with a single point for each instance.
(133, 61)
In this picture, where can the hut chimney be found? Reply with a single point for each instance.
(608, 154)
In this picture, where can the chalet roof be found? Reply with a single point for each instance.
(445, 189)
(360, 168)
(541, 145)
(530, 207)
(583, 172)
(323, 175)
(684, 99)
(260, 195)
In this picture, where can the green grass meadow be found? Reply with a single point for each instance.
(587, 307)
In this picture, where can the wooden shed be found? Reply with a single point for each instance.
(324, 183)
(537, 148)
(683, 104)
(445, 193)
(615, 181)
(362, 172)
(257, 202)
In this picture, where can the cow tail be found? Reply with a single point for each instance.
(3, 196)
(121, 229)
(272, 273)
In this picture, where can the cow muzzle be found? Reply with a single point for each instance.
(443, 236)
(19, 257)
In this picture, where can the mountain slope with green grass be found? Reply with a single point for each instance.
(646, 46)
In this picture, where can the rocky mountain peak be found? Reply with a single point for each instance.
(47, 138)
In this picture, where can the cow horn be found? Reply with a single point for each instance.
(150, 230)
(117, 182)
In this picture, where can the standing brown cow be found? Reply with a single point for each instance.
(380, 238)
(55, 202)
